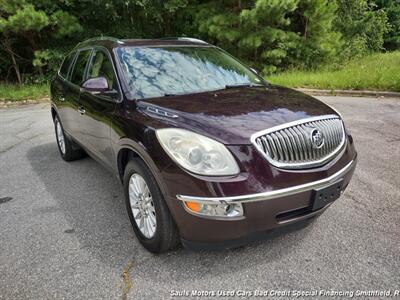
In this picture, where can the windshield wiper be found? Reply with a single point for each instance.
(232, 86)
(228, 86)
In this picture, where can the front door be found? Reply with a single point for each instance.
(98, 108)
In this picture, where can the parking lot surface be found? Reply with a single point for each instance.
(64, 231)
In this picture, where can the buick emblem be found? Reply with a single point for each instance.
(317, 138)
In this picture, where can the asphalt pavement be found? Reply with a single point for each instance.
(65, 234)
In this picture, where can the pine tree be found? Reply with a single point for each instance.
(271, 34)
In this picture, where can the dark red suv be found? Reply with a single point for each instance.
(208, 152)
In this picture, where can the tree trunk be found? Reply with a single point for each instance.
(306, 29)
(16, 67)
(7, 47)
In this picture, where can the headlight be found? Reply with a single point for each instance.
(197, 153)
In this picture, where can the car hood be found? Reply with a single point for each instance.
(231, 116)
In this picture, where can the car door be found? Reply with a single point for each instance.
(72, 88)
(98, 107)
(59, 90)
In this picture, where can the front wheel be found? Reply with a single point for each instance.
(147, 210)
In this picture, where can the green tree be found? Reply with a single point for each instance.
(272, 34)
(18, 17)
(132, 18)
(392, 9)
(266, 34)
(362, 26)
(21, 20)
(317, 40)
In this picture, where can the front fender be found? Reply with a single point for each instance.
(141, 152)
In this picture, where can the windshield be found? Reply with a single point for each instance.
(162, 71)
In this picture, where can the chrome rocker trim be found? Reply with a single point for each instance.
(275, 193)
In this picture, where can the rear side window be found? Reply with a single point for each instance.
(66, 63)
(79, 69)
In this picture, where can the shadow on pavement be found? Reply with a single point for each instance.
(91, 199)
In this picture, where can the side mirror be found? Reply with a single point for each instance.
(96, 85)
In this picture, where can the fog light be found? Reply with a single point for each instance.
(217, 210)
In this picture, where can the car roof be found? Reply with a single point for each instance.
(110, 42)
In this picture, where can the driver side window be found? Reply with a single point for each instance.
(101, 66)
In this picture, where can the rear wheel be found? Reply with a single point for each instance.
(68, 149)
(147, 210)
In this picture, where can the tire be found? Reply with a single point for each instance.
(68, 149)
(165, 235)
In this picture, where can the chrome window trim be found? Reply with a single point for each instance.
(274, 193)
(301, 165)
(72, 68)
(70, 65)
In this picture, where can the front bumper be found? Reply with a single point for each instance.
(271, 197)
(264, 213)
(274, 193)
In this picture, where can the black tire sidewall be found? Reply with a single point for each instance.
(70, 153)
(161, 240)
(63, 155)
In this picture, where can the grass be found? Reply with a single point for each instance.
(379, 72)
(14, 92)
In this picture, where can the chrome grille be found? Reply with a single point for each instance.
(301, 144)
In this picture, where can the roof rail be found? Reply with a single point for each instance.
(189, 39)
(102, 38)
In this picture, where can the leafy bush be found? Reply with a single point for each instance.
(362, 27)
(47, 63)
(392, 9)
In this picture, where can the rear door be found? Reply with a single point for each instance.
(59, 89)
(98, 108)
(72, 93)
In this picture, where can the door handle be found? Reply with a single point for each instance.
(81, 110)
(62, 98)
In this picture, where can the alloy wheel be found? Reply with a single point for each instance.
(142, 206)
